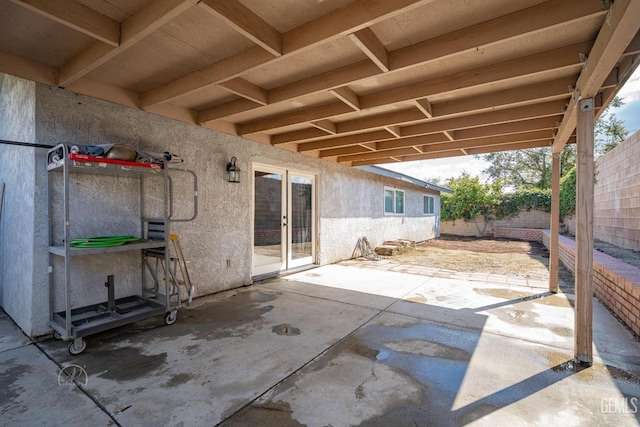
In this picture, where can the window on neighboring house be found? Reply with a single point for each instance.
(393, 201)
(428, 207)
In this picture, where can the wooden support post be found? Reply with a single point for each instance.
(555, 224)
(584, 234)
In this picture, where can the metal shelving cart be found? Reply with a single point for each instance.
(74, 323)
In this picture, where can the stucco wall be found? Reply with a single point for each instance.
(23, 235)
(218, 243)
(617, 195)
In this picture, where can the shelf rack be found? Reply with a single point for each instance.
(74, 323)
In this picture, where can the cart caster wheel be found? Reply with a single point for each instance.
(77, 346)
(171, 317)
(57, 335)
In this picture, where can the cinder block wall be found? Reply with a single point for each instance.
(530, 234)
(615, 283)
(525, 220)
(617, 195)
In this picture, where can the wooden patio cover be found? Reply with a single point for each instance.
(357, 82)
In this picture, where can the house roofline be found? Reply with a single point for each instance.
(406, 178)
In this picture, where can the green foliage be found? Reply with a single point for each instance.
(609, 129)
(470, 198)
(530, 168)
(523, 200)
(568, 193)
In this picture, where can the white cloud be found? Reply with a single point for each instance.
(442, 168)
(630, 92)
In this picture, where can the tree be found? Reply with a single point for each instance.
(470, 199)
(529, 169)
(609, 129)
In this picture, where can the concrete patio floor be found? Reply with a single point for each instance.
(355, 343)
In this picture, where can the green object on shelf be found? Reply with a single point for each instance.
(102, 241)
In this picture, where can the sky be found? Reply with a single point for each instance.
(426, 170)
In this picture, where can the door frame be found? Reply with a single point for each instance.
(287, 263)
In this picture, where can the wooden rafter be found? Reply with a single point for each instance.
(246, 22)
(318, 31)
(354, 16)
(77, 16)
(372, 47)
(247, 90)
(620, 29)
(539, 18)
(132, 30)
(388, 95)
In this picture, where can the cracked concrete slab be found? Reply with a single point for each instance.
(36, 391)
(345, 345)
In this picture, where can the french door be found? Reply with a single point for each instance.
(283, 220)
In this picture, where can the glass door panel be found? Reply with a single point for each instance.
(301, 220)
(283, 220)
(269, 252)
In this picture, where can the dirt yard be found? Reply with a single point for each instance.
(485, 255)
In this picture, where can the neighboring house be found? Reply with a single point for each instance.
(330, 205)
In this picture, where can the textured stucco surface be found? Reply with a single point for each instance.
(17, 224)
(217, 243)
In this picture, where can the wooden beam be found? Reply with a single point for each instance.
(619, 29)
(297, 136)
(395, 130)
(345, 141)
(214, 74)
(634, 46)
(381, 120)
(246, 89)
(583, 334)
(551, 108)
(511, 147)
(353, 17)
(247, 23)
(556, 89)
(425, 106)
(522, 95)
(412, 141)
(430, 134)
(344, 151)
(554, 244)
(548, 123)
(306, 36)
(298, 116)
(488, 141)
(454, 153)
(449, 135)
(533, 20)
(377, 155)
(368, 43)
(519, 69)
(347, 96)
(77, 16)
(107, 92)
(326, 125)
(27, 69)
(132, 30)
(223, 110)
(327, 28)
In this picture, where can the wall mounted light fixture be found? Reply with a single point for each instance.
(233, 171)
